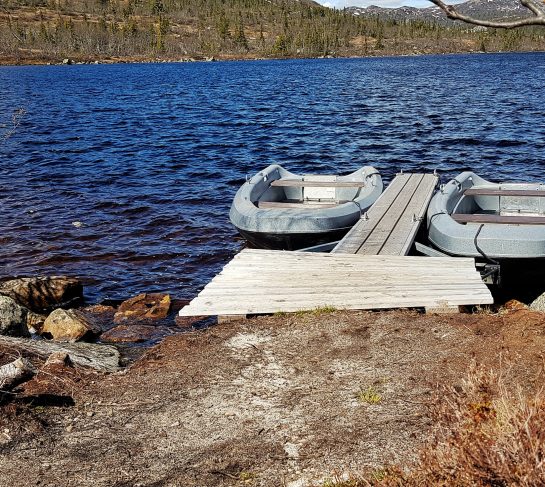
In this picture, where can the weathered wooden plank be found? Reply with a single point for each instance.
(299, 183)
(402, 236)
(499, 219)
(272, 281)
(374, 243)
(504, 192)
(300, 205)
(359, 233)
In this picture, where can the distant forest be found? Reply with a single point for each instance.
(86, 30)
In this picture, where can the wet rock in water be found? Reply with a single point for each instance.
(132, 333)
(13, 318)
(538, 304)
(43, 294)
(100, 315)
(152, 306)
(54, 382)
(514, 304)
(69, 325)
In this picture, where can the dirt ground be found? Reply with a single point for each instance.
(289, 400)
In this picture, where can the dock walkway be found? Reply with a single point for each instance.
(389, 227)
(270, 281)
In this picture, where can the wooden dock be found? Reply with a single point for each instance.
(389, 227)
(269, 281)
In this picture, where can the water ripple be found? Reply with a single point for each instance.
(123, 174)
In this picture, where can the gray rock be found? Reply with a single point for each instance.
(538, 304)
(13, 318)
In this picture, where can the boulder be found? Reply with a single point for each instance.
(69, 325)
(538, 304)
(43, 294)
(13, 318)
(53, 384)
(144, 307)
(132, 333)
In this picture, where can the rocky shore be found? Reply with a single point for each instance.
(46, 331)
(305, 399)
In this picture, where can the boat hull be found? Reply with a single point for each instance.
(305, 223)
(293, 241)
(485, 240)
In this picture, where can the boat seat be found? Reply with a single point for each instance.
(299, 183)
(501, 219)
(503, 192)
(300, 205)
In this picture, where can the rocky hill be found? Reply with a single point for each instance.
(482, 9)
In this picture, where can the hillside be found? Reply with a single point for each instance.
(481, 9)
(132, 30)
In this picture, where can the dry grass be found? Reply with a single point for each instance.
(487, 433)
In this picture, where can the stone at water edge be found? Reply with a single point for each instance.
(538, 304)
(132, 333)
(69, 325)
(147, 306)
(514, 304)
(13, 318)
(43, 294)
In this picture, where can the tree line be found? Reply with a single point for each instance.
(94, 29)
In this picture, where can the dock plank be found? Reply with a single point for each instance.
(264, 281)
(393, 220)
(402, 237)
(359, 233)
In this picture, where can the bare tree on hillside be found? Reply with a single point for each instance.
(536, 7)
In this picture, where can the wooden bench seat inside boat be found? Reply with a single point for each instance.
(503, 192)
(298, 183)
(300, 205)
(500, 219)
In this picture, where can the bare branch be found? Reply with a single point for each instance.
(15, 121)
(538, 19)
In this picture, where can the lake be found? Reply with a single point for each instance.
(123, 175)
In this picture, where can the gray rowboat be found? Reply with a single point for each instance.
(470, 216)
(277, 209)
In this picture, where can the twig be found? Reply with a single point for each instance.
(452, 13)
(16, 119)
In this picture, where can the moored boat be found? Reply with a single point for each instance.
(277, 209)
(470, 216)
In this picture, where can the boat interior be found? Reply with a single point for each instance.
(513, 204)
(309, 192)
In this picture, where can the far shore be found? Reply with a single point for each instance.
(80, 60)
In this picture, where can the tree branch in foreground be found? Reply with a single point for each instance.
(538, 19)
(15, 121)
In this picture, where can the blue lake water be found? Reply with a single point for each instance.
(147, 157)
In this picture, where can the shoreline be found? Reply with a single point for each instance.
(6, 61)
